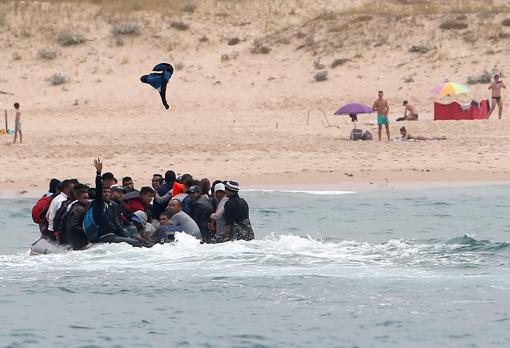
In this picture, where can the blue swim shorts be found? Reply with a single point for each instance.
(381, 119)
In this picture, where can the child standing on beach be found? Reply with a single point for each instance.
(17, 125)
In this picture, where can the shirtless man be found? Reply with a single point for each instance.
(382, 108)
(17, 125)
(412, 116)
(496, 96)
(408, 136)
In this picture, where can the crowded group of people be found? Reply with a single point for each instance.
(116, 212)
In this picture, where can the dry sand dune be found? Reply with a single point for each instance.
(243, 88)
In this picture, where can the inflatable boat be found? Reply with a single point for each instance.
(44, 246)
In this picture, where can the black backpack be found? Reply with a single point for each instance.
(58, 221)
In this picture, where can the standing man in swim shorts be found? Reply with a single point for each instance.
(17, 125)
(382, 108)
(496, 96)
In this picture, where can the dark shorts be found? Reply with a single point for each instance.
(497, 99)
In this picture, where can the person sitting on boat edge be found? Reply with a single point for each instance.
(66, 187)
(62, 215)
(165, 232)
(108, 179)
(237, 216)
(128, 184)
(107, 214)
(201, 210)
(74, 227)
(182, 221)
(142, 202)
(40, 208)
(160, 189)
(218, 217)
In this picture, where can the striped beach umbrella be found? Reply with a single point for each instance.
(450, 88)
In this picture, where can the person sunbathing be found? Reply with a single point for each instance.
(408, 136)
(410, 113)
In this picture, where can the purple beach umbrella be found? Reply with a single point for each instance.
(354, 108)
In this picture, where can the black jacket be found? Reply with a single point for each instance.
(106, 214)
(236, 210)
(74, 228)
(201, 211)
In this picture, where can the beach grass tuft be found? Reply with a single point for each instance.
(234, 41)
(321, 76)
(129, 28)
(421, 48)
(67, 38)
(485, 77)
(181, 26)
(408, 78)
(338, 62)
(47, 53)
(189, 8)
(453, 25)
(57, 79)
(259, 48)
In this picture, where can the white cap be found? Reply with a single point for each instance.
(219, 187)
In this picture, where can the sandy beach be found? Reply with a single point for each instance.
(238, 114)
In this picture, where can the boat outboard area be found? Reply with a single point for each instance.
(44, 246)
(73, 216)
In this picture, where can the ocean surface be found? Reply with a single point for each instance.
(423, 268)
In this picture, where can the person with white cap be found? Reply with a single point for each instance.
(237, 216)
(219, 215)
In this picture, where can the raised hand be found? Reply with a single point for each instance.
(98, 165)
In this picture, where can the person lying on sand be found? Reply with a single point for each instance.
(410, 113)
(408, 136)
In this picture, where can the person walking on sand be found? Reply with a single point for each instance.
(496, 96)
(17, 125)
(382, 108)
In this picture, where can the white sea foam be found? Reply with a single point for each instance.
(313, 192)
(275, 255)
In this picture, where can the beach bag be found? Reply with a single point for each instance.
(40, 209)
(90, 227)
(368, 136)
(242, 230)
(356, 134)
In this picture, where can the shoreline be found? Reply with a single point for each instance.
(303, 184)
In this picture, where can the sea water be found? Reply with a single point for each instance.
(416, 268)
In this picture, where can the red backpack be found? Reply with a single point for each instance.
(40, 209)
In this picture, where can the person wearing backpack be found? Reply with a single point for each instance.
(66, 187)
(40, 209)
(101, 223)
(73, 229)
